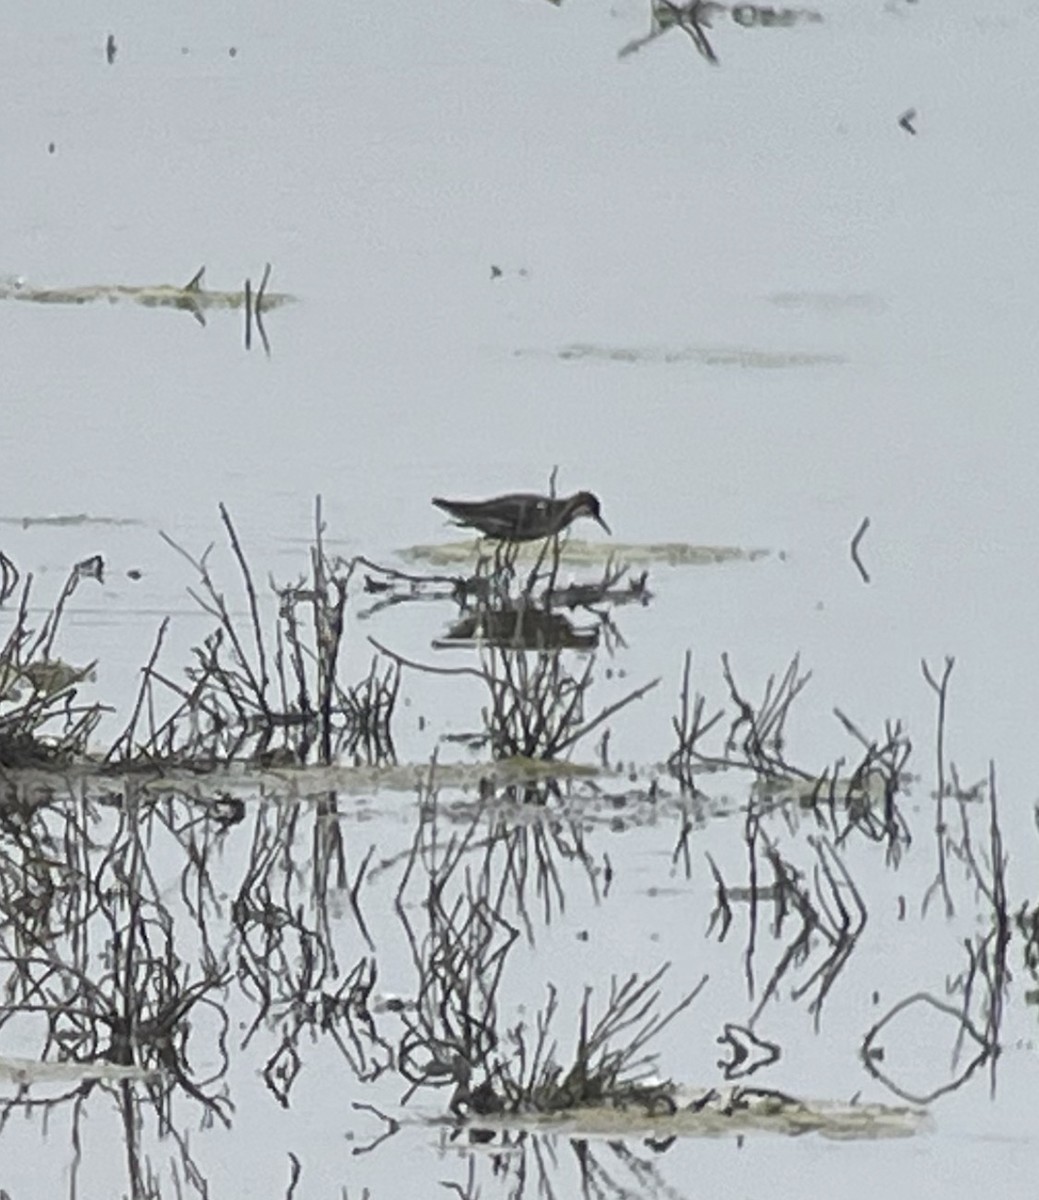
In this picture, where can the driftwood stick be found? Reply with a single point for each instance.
(860, 533)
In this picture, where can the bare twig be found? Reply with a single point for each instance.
(860, 533)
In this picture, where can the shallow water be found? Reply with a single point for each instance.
(741, 304)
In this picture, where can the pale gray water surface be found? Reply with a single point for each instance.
(792, 315)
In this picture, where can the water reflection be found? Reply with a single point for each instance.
(190, 904)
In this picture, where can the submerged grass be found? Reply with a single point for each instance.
(266, 939)
(43, 721)
(266, 698)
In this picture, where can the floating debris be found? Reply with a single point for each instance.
(191, 297)
(828, 302)
(694, 17)
(26, 1071)
(63, 520)
(710, 356)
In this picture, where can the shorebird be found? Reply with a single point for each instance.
(523, 516)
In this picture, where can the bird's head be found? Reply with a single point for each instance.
(586, 504)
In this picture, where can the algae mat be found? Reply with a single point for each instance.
(711, 1113)
(191, 297)
(577, 552)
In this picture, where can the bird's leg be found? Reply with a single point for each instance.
(532, 578)
(504, 569)
(485, 573)
(553, 573)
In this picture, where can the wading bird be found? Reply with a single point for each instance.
(523, 516)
